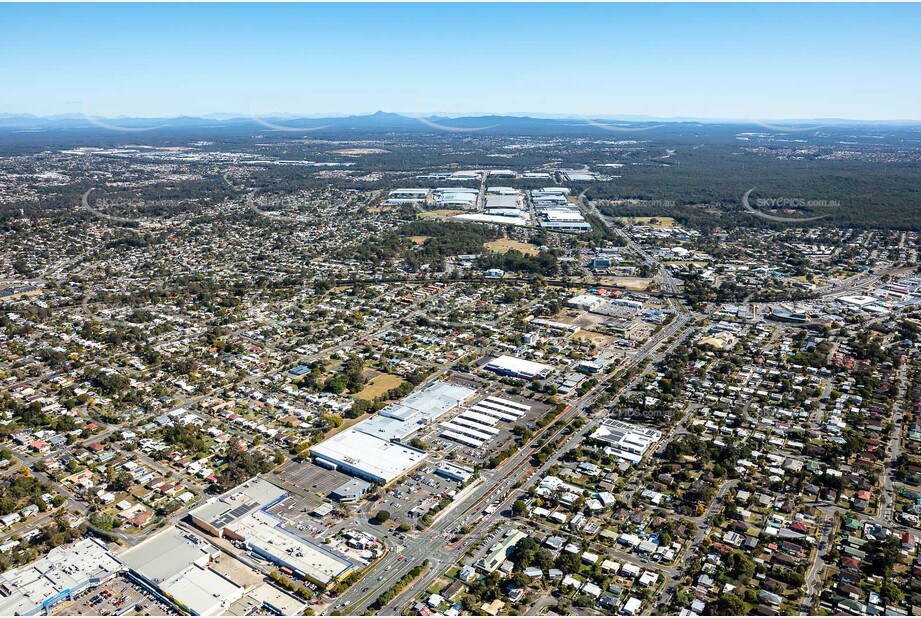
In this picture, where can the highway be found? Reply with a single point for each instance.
(669, 284)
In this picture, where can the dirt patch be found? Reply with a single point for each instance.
(419, 240)
(596, 339)
(634, 284)
(353, 152)
(428, 214)
(505, 244)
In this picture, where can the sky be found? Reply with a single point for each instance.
(719, 61)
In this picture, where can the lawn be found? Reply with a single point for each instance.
(379, 385)
(660, 221)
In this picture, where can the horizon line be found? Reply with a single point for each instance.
(562, 116)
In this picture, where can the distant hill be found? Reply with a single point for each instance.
(386, 121)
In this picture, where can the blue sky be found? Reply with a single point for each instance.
(753, 61)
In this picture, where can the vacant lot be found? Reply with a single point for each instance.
(634, 284)
(428, 214)
(504, 244)
(651, 221)
(379, 385)
(359, 151)
(597, 339)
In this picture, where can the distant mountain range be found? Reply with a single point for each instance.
(386, 121)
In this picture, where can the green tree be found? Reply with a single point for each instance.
(382, 516)
(728, 605)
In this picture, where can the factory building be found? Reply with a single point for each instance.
(563, 219)
(456, 197)
(503, 202)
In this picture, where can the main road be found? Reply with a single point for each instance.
(500, 486)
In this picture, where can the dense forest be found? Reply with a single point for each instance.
(440, 240)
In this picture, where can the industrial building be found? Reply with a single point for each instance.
(175, 565)
(373, 450)
(409, 193)
(563, 220)
(503, 201)
(407, 196)
(65, 572)
(458, 196)
(549, 197)
(243, 515)
(518, 367)
(504, 219)
(578, 175)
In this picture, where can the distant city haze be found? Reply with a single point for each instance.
(753, 61)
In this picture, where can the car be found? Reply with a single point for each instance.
(380, 578)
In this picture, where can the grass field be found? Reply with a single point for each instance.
(428, 214)
(419, 240)
(378, 386)
(661, 221)
(684, 263)
(505, 244)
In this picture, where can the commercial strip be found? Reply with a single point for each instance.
(624, 440)
(499, 552)
(65, 572)
(242, 515)
(373, 449)
(518, 367)
(176, 565)
(476, 426)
